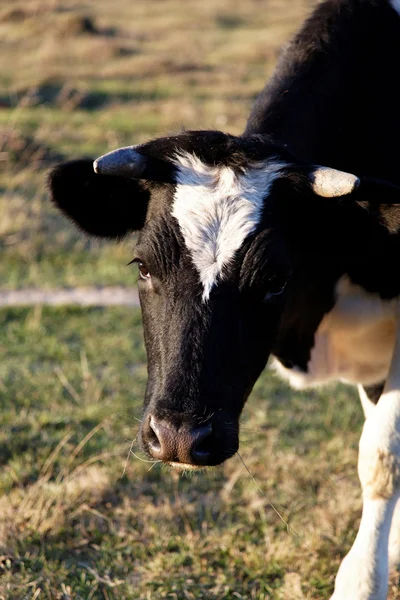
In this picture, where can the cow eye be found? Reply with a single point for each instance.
(275, 288)
(144, 273)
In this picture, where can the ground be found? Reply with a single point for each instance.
(81, 515)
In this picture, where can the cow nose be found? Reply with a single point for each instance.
(184, 445)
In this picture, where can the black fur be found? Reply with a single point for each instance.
(374, 392)
(99, 204)
(333, 99)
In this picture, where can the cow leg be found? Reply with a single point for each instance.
(363, 574)
(394, 540)
(369, 397)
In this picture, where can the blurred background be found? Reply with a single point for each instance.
(83, 515)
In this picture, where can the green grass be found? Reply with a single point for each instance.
(99, 525)
(77, 519)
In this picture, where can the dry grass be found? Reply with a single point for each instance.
(82, 78)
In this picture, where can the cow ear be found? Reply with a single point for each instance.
(101, 205)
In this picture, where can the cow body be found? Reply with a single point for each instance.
(282, 242)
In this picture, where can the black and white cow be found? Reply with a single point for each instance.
(282, 242)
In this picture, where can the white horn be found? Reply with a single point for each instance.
(331, 183)
(125, 162)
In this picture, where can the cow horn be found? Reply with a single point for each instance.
(124, 162)
(331, 183)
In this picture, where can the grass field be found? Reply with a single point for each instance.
(82, 515)
(79, 520)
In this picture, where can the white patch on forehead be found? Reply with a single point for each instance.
(217, 209)
(396, 5)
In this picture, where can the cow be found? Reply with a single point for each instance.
(282, 242)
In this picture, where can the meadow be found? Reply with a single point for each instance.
(83, 515)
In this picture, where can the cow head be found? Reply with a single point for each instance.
(214, 264)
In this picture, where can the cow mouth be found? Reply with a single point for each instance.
(187, 467)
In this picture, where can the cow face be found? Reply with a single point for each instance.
(214, 265)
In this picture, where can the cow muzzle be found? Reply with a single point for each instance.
(183, 445)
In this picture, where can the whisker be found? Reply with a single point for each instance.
(201, 420)
(229, 452)
(288, 527)
(143, 459)
(155, 462)
(127, 458)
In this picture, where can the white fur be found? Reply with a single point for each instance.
(394, 539)
(217, 209)
(367, 404)
(353, 343)
(363, 573)
(396, 5)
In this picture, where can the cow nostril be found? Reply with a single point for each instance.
(202, 450)
(202, 447)
(152, 437)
